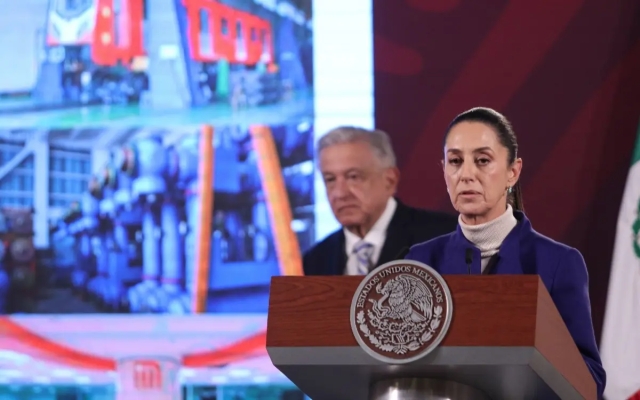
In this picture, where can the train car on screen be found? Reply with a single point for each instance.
(233, 51)
(219, 32)
(100, 45)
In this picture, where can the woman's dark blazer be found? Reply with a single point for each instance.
(525, 251)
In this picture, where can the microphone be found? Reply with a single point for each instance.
(468, 258)
(403, 253)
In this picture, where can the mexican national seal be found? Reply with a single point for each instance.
(401, 311)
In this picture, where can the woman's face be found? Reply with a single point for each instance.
(477, 172)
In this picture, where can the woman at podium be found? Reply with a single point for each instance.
(481, 169)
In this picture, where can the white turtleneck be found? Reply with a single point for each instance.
(489, 236)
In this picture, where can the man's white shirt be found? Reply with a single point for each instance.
(376, 237)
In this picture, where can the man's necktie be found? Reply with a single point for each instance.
(363, 252)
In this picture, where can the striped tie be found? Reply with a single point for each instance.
(363, 252)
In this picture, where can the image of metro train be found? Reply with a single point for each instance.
(100, 52)
(96, 49)
(163, 228)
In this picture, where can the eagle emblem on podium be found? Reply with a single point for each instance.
(401, 311)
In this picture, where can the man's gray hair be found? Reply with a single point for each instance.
(378, 140)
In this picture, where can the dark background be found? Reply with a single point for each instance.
(567, 74)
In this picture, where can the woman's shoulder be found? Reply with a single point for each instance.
(545, 244)
(531, 240)
(548, 257)
(434, 245)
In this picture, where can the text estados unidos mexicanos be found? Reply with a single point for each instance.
(400, 269)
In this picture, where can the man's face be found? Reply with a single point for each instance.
(358, 186)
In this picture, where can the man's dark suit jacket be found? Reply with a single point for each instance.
(408, 226)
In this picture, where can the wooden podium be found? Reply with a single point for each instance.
(506, 341)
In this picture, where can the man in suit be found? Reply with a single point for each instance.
(360, 175)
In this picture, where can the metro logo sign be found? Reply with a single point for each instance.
(147, 375)
(153, 378)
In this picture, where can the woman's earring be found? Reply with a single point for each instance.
(509, 189)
